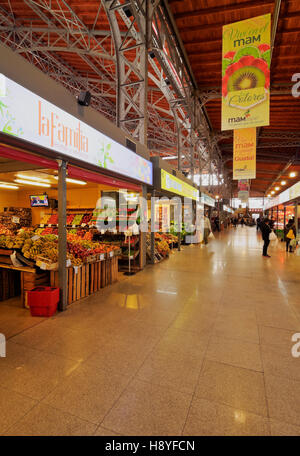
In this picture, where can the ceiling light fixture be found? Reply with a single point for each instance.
(292, 174)
(283, 182)
(277, 188)
(8, 186)
(27, 182)
(272, 192)
(33, 178)
(72, 181)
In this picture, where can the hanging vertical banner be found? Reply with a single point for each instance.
(244, 153)
(246, 58)
(243, 185)
(243, 196)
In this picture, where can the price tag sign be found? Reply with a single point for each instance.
(73, 226)
(68, 263)
(111, 254)
(102, 257)
(49, 225)
(15, 219)
(83, 225)
(76, 269)
(42, 225)
(35, 237)
(43, 266)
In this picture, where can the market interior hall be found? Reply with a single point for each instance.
(149, 220)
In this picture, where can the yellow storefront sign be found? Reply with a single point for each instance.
(244, 153)
(246, 58)
(174, 185)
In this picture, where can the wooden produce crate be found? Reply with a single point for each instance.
(9, 284)
(30, 280)
(96, 271)
(89, 279)
(77, 282)
(5, 256)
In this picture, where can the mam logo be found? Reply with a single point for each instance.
(236, 119)
(2, 346)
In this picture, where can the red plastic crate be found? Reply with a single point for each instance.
(43, 301)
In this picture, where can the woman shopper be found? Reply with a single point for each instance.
(265, 231)
(207, 229)
(289, 234)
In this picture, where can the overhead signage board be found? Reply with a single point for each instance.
(288, 195)
(27, 116)
(208, 200)
(244, 154)
(174, 185)
(246, 58)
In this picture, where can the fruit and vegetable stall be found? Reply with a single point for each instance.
(29, 258)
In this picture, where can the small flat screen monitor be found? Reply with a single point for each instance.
(39, 200)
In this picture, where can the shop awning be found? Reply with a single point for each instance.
(79, 173)
(19, 155)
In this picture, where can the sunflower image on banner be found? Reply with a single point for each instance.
(246, 58)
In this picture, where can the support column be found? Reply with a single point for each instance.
(62, 233)
(296, 217)
(152, 235)
(143, 235)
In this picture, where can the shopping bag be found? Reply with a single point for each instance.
(211, 235)
(273, 236)
(290, 235)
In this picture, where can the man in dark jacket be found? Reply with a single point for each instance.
(265, 231)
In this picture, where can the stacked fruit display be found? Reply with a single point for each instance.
(86, 218)
(70, 219)
(77, 219)
(162, 247)
(40, 247)
(15, 241)
(53, 220)
(5, 231)
(45, 246)
(44, 220)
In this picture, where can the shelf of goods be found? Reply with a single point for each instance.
(28, 259)
(16, 217)
(164, 244)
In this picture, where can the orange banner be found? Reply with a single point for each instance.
(244, 153)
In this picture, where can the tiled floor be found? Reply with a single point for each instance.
(197, 345)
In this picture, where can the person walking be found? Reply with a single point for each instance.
(242, 222)
(207, 229)
(217, 223)
(265, 231)
(289, 234)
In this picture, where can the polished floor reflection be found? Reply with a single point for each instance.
(197, 345)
